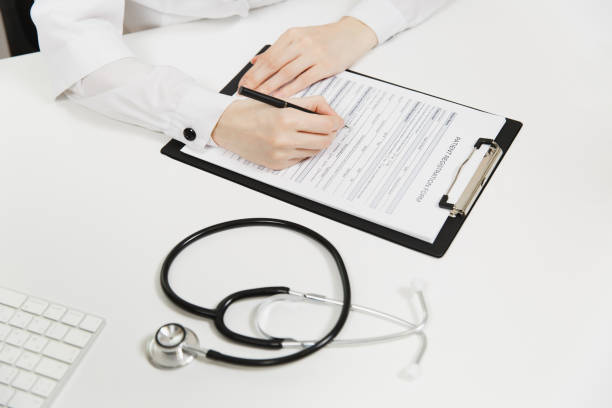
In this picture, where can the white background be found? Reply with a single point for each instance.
(520, 303)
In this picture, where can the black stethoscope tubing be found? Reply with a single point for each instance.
(218, 314)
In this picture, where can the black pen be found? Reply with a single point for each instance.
(270, 100)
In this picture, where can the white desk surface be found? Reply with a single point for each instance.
(521, 303)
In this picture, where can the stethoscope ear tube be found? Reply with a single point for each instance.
(218, 314)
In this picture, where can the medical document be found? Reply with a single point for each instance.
(392, 163)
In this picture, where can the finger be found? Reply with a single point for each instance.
(303, 81)
(292, 162)
(301, 154)
(319, 105)
(269, 63)
(316, 103)
(283, 41)
(321, 124)
(285, 75)
(310, 141)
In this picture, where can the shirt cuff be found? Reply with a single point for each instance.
(381, 16)
(198, 110)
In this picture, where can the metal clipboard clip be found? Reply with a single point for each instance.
(478, 180)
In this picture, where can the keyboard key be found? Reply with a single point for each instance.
(57, 331)
(24, 380)
(20, 319)
(7, 373)
(4, 331)
(91, 323)
(11, 298)
(51, 368)
(6, 313)
(73, 317)
(77, 337)
(34, 306)
(35, 343)
(6, 393)
(9, 354)
(28, 360)
(17, 337)
(24, 400)
(39, 325)
(54, 312)
(61, 351)
(44, 387)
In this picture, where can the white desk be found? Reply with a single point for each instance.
(520, 303)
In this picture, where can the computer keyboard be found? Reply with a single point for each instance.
(41, 343)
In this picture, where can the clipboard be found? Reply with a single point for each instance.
(458, 211)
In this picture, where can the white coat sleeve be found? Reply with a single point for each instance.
(389, 17)
(89, 62)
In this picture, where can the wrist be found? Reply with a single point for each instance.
(223, 126)
(360, 31)
(216, 133)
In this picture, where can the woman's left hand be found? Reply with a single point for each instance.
(305, 55)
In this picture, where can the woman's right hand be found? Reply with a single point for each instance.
(277, 138)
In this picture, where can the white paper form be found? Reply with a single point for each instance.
(391, 164)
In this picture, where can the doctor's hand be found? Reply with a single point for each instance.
(277, 138)
(305, 55)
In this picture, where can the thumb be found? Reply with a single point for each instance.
(319, 105)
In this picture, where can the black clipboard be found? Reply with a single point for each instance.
(458, 212)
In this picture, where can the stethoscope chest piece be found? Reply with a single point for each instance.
(167, 348)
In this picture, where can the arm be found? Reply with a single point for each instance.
(82, 41)
(89, 62)
(302, 56)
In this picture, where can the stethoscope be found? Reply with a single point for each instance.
(174, 345)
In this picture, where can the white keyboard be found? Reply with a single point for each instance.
(41, 343)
